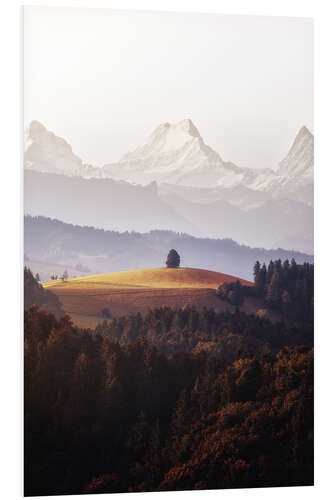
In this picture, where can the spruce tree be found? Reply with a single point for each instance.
(173, 259)
(274, 290)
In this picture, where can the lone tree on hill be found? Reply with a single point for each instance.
(173, 259)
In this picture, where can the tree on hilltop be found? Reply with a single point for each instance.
(173, 259)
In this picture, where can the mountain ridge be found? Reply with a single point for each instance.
(122, 206)
(173, 153)
(177, 154)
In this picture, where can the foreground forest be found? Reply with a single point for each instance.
(101, 417)
(174, 399)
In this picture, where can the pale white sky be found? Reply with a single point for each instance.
(105, 79)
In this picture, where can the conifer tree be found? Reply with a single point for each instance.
(259, 278)
(173, 259)
(274, 290)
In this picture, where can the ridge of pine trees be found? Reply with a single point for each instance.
(287, 287)
(221, 334)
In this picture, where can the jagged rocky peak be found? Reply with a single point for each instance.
(299, 161)
(174, 153)
(38, 134)
(304, 136)
(170, 137)
(36, 128)
(47, 152)
(184, 126)
(189, 127)
(304, 132)
(177, 154)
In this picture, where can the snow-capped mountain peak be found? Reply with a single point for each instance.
(293, 179)
(175, 153)
(46, 152)
(169, 137)
(49, 153)
(299, 161)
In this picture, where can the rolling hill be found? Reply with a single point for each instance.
(140, 290)
(161, 277)
(55, 243)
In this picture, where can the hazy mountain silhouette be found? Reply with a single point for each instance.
(122, 206)
(103, 203)
(175, 182)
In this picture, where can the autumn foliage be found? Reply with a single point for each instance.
(105, 414)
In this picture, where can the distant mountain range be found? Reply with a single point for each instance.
(175, 182)
(177, 155)
(103, 203)
(53, 243)
(121, 206)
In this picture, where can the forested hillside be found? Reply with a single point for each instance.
(35, 294)
(223, 335)
(176, 399)
(101, 417)
(285, 287)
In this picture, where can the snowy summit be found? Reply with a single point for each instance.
(175, 154)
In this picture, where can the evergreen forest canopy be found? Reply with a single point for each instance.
(104, 417)
(285, 287)
(175, 399)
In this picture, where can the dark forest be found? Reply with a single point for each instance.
(173, 400)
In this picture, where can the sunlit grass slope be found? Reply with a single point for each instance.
(139, 290)
(150, 278)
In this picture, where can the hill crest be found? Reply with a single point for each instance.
(120, 293)
(157, 277)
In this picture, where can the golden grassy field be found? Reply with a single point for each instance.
(139, 290)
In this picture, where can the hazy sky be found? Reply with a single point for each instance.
(105, 79)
